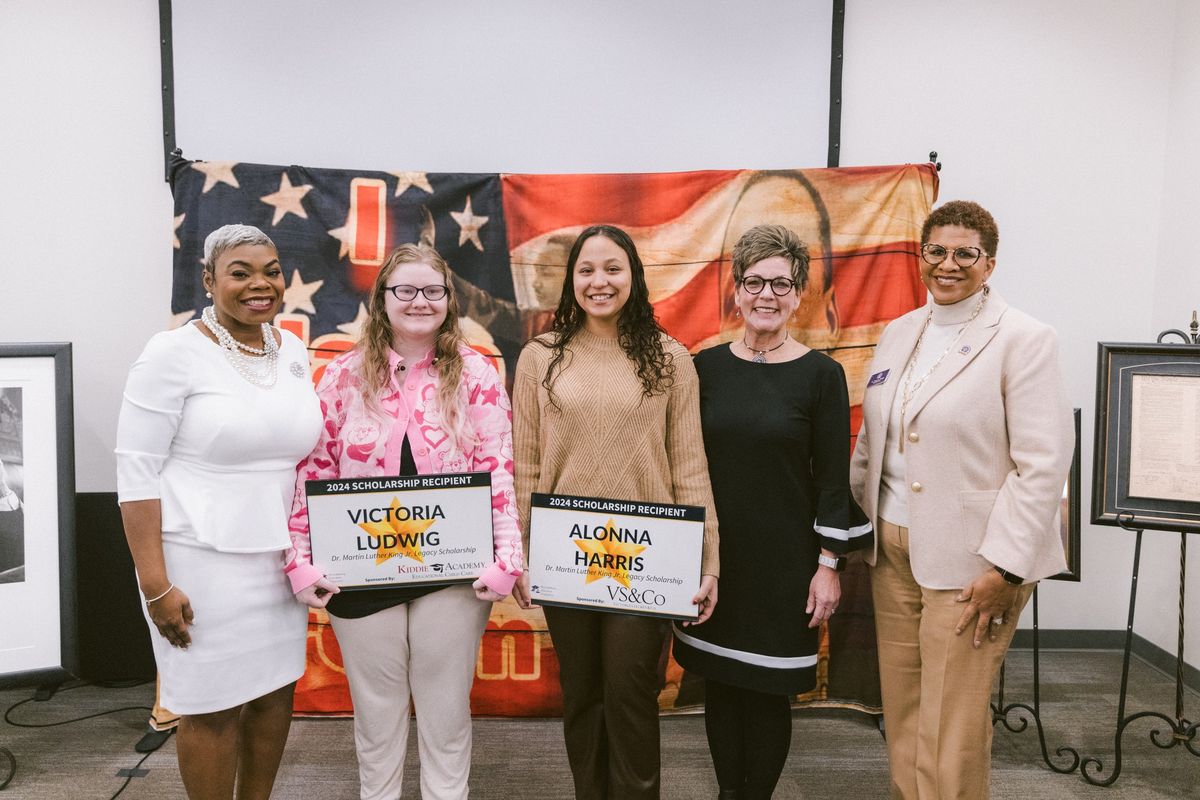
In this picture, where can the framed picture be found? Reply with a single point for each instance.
(1146, 466)
(1070, 523)
(37, 513)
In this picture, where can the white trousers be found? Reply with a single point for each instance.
(425, 651)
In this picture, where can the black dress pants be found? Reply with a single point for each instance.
(611, 671)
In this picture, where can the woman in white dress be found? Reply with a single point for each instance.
(216, 415)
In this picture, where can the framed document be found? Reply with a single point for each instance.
(615, 555)
(37, 514)
(393, 531)
(1146, 466)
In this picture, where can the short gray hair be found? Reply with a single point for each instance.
(228, 237)
(767, 241)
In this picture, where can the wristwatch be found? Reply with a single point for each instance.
(1015, 580)
(833, 562)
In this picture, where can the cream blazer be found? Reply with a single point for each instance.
(987, 449)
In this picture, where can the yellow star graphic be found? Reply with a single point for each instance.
(469, 224)
(406, 532)
(216, 172)
(287, 199)
(609, 547)
(407, 179)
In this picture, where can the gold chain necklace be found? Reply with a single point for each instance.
(910, 389)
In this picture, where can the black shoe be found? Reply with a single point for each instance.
(152, 740)
(730, 794)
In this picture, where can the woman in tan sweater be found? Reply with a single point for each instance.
(607, 405)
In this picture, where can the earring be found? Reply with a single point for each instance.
(738, 313)
(208, 295)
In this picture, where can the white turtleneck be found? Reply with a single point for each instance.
(944, 328)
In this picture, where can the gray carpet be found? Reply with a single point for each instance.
(834, 754)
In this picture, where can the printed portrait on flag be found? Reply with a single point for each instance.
(506, 237)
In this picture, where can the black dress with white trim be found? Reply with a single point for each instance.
(777, 441)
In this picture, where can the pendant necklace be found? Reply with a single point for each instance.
(760, 356)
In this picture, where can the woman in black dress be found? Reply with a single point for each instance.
(776, 422)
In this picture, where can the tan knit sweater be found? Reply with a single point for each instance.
(603, 438)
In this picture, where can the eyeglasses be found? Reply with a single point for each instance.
(779, 286)
(934, 254)
(405, 293)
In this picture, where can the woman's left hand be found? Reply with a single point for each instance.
(824, 594)
(484, 593)
(705, 599)
(989, 596)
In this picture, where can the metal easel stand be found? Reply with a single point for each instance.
(1000, 711)
(1180, 731)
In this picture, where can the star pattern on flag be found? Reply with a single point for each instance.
(287, 200)
(354, 327)
(406, 179)
(175, 230)
(469, 224)
(398, 537)
(181, 319)
(298, 295)
(216, 172)
(604, 552)
(342, 234)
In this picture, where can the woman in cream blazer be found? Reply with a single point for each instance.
(966, 441)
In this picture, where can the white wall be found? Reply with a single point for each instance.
(1055, 116)
(1176, 295)
(1073, 121)
(85, 216)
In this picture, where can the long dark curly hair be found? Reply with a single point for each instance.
(638, 331)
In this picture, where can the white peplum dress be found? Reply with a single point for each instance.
(220, 455)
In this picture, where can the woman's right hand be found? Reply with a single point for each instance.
(318, 594)
(172, 615)
(521, 593)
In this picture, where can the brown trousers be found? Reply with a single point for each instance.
(610, 670)
(937, 687)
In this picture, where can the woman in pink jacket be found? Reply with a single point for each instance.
(411, 398)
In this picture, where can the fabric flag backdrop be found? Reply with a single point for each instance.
(506, 238)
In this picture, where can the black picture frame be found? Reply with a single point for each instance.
(1071, 514)
(1118, 365)
(40, 374)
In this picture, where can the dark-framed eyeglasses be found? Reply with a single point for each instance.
(965, 256)
(779, 286)
(404, 293)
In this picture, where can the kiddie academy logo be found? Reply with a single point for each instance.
(397, 530)
(609, 551)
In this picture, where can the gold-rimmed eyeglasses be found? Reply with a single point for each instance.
(965, 256)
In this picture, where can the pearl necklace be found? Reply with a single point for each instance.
(258, 366)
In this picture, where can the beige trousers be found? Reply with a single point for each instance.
(425, 651)
(936, 686)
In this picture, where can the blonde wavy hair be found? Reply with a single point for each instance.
(377, 337)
